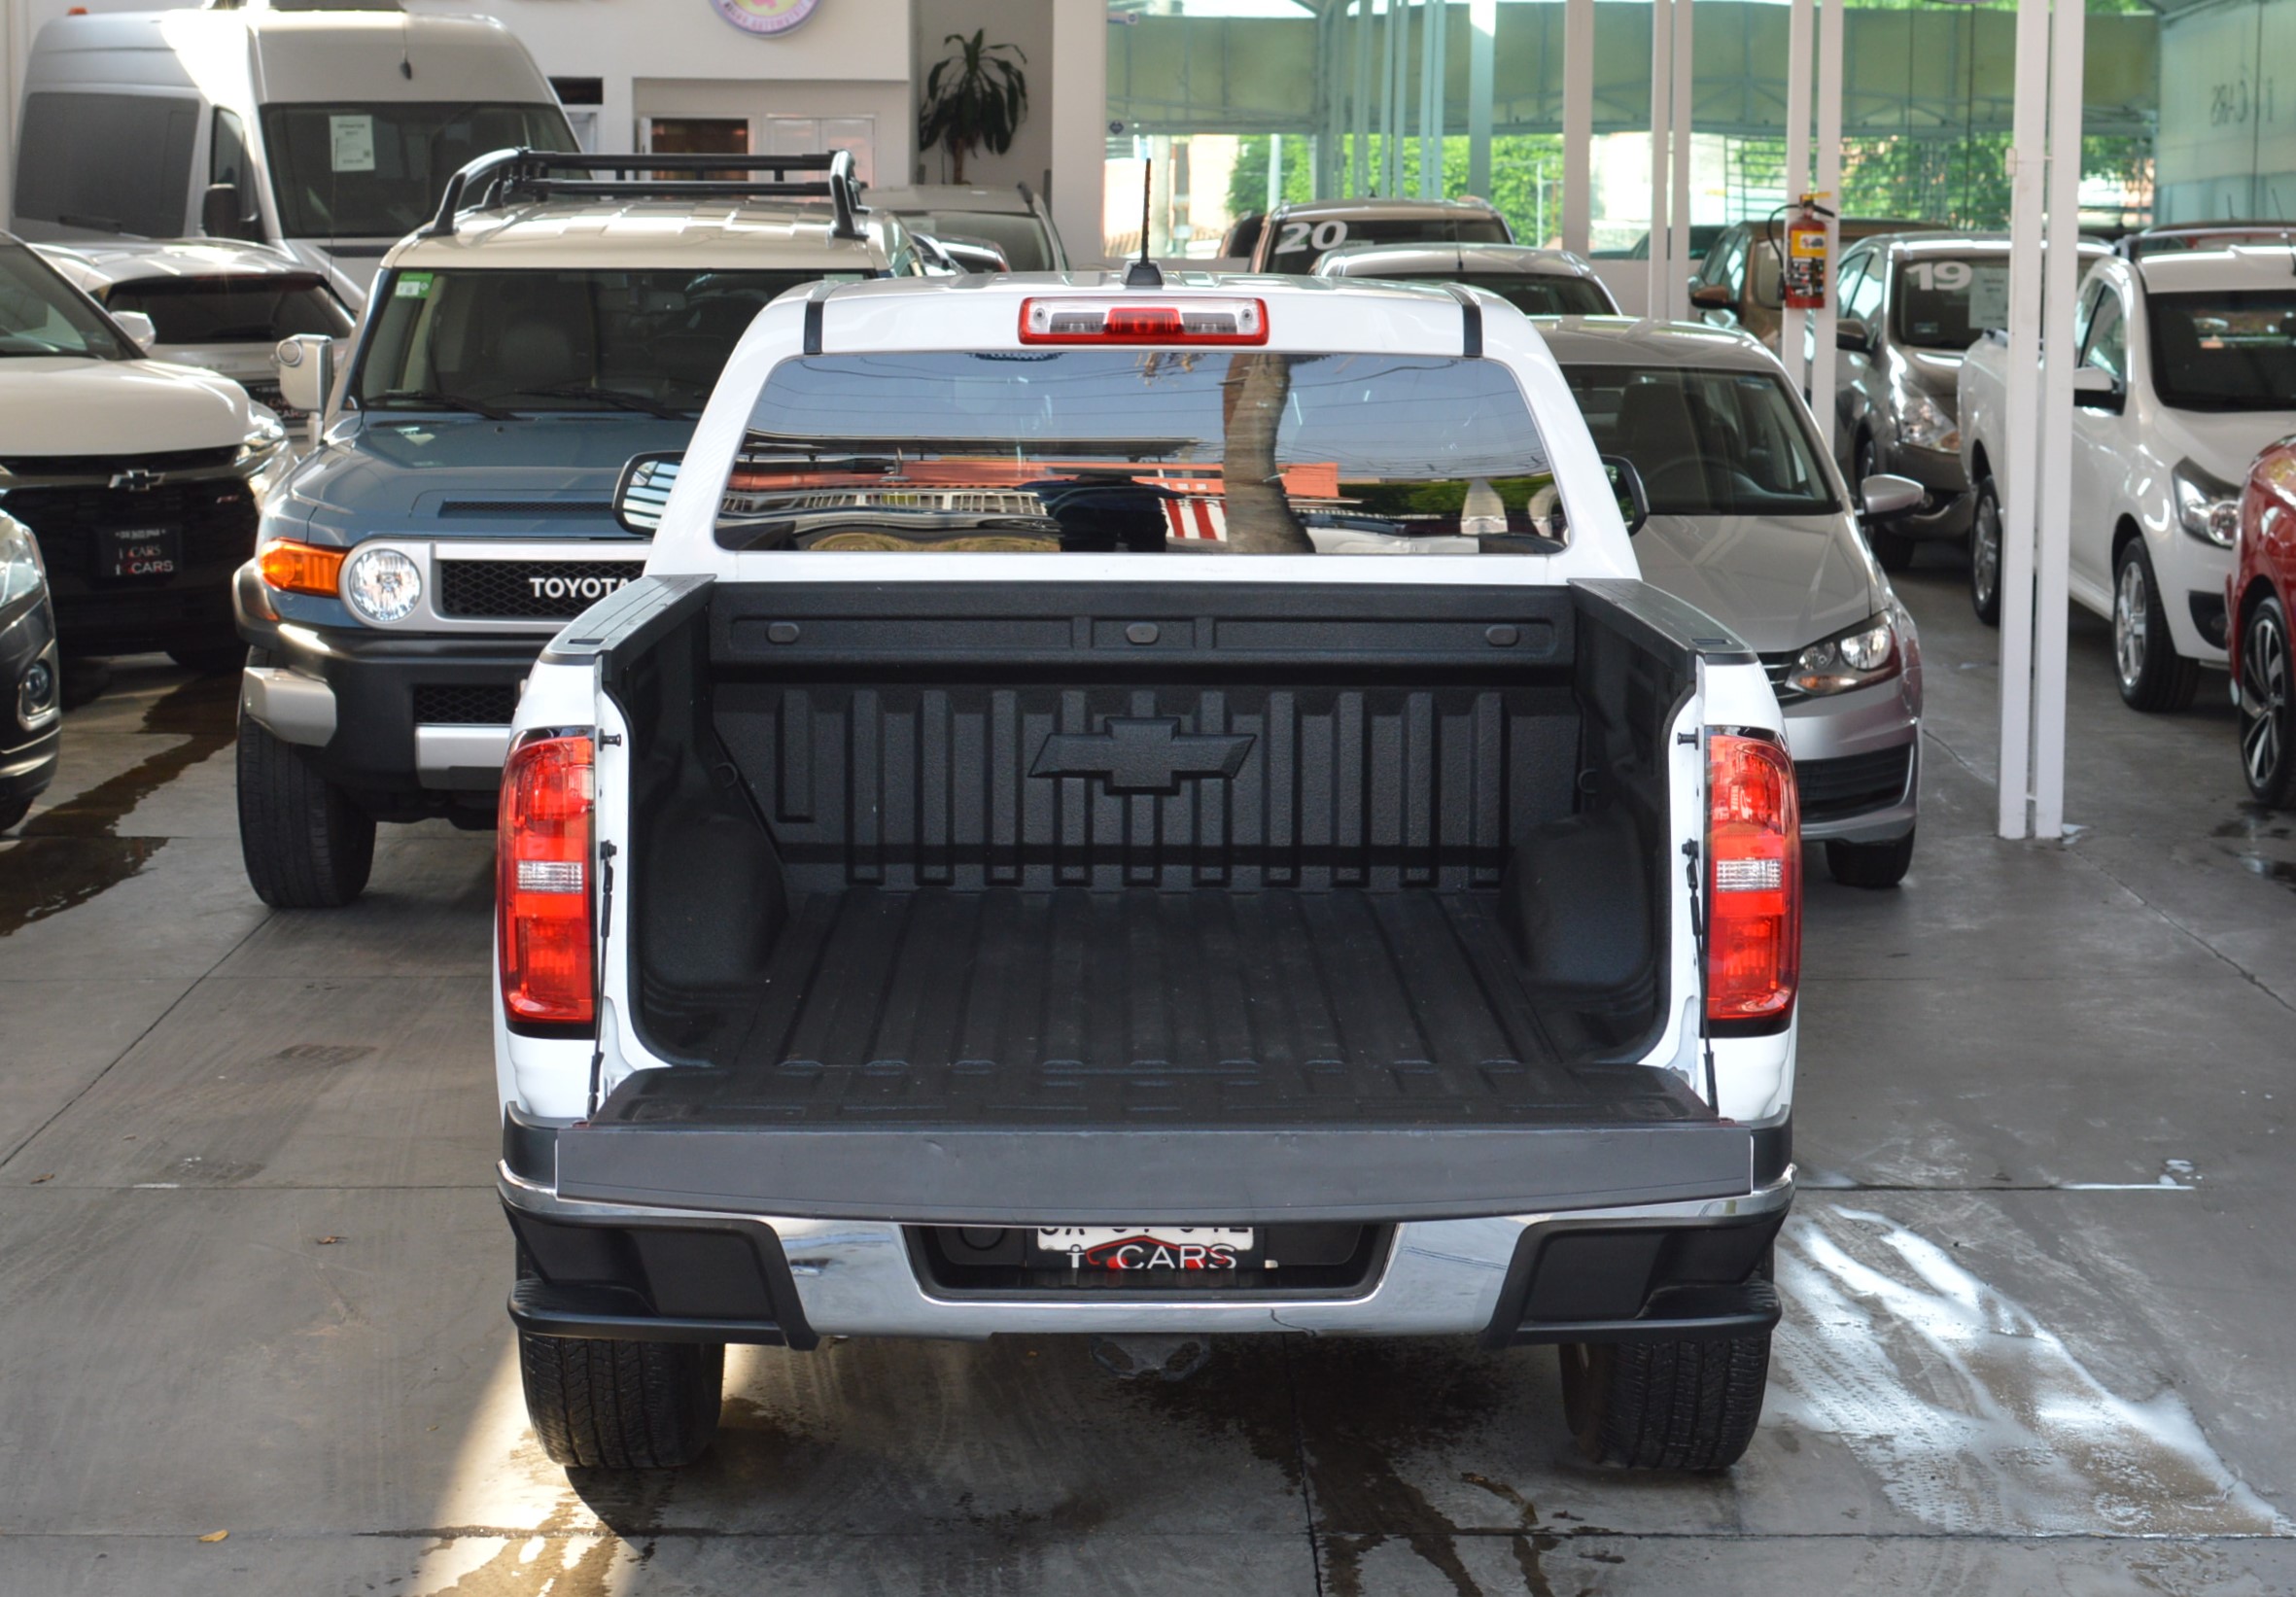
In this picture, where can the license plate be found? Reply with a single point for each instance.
(132, 553)
(1143, 1247)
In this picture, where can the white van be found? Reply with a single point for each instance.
(329, 133)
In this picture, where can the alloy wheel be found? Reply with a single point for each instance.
(1985, 555)
(2264, 698)
(2132, 606)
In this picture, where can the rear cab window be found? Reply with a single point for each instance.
(1142, 450)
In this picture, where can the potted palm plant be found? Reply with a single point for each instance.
(974, 97)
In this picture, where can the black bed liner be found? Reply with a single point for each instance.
(1207, 1056)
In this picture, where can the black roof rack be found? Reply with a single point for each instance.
(496, 179)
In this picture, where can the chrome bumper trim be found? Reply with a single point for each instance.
(1441, 1277)
(290, 706)
(443, 754)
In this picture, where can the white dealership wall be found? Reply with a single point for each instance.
(851, 59)
(2224, 147)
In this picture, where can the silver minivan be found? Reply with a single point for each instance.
(329, 133)
(1751, 522)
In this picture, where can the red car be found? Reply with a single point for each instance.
(2260, 596)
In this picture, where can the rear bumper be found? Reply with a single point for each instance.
(1657, 1272)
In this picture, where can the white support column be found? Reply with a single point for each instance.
(2015, 475)
(1830, 184)
(1655, 299)
(2068, 44)
(1360, 111)
(1801, 23)
(1275, 170)
(1577, 124)
(1391, 124)
(1431, 98)
(1676, 305)
(1080, 127)
(1482, 60)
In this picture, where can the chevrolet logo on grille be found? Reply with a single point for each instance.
(138, 480)
(1141, 756)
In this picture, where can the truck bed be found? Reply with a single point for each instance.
(1372, 929)
(1260, 1003)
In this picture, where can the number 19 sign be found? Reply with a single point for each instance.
(765, 16)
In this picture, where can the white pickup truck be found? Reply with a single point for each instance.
(2188, 371)
(951, 893)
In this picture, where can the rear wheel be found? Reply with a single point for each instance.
(1895, 550)
(1985, 554)
(2267, 705)
(1870, 864)
(307, 845)
(2152, 675)
(621, 1405)
(1666, 1405)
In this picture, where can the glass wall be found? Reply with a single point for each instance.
(1234, 104)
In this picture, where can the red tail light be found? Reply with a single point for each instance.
(1754, 886)
(543, 851)
(1194, 320)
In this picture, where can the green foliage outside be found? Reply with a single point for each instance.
(1959, 183)
(1519, 162)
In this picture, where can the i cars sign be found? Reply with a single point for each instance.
(765, 16)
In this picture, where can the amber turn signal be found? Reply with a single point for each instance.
(300, 567)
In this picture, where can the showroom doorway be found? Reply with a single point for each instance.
(695, 136)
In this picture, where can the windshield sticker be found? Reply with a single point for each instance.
(1989, 299)
(1300, 235)
(351, 143)
(413, 286)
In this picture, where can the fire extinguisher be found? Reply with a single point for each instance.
(1803, 261)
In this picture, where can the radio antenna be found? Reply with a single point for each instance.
(1144, 273)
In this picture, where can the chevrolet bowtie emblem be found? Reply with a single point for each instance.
(137, 479)
(1141, 756)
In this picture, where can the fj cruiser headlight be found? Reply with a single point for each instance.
(1924, 423)
(20, 571)
(1866, 654)
(262, 441)
(382, 585)
(2206, 505)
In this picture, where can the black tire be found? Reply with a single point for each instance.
(2265, 676)
(1666, 1405)
(622, 1406)
(306, 844)
(214, 660)
(13, 812)
(1895, 550)
(1985, 554)
(2151, 673)
(1870, 864)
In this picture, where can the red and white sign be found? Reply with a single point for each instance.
(1197, 520)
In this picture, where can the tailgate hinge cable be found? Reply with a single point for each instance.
(1691, 871)
(606, 921)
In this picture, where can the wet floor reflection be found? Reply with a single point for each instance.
(73, 852)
